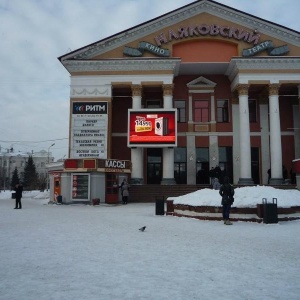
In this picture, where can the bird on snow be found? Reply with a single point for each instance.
(143, 228)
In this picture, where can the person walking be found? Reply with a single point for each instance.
(227, 192)
(216, 184)
(125, 191)
(18, 190)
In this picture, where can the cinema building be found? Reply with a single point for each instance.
(169, 99)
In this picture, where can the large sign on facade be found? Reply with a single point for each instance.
(89, 126)
(152, 127)
(193, 31)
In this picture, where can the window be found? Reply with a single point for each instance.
(226, 163)
(201, 111)
(222, 111)
(153, 103)
(181, 110)
(180, 165)
(252, 111)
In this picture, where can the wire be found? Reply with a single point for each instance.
(33, 141)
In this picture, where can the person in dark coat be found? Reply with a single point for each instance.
(18, 190)
(227, 193)
(218, 172)
(125, 191)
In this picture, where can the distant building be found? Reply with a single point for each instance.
(10, 160)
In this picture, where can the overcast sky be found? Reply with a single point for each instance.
(34, 110)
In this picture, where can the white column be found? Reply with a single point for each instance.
(236, 138)
(190, 116)
(168, 95)
(137, 166)
(212, 108)
(299, 95)
(275, 135)
(168, 153)
(137, 153)
(297, 139)
(245, 146)
(265, 145)
(136, 96)
(296, 118)
(168, 166)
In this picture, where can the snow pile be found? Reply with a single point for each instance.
(244, 197)
(26, 194)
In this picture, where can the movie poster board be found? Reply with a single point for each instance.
(89, 130)
(80, 186)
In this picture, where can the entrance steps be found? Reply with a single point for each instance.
(150, 192)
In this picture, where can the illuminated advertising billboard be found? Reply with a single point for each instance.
(152, 128)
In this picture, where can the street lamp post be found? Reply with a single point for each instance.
(48, 177)
(49, 152)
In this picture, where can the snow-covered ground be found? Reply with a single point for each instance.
(97, 252)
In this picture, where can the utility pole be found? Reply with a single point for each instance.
(48, 180)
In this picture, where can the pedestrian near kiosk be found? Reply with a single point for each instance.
(125, 191)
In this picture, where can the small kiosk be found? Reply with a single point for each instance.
(86, 180)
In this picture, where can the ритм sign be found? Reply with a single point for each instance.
(238, 34)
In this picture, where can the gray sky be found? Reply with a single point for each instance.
(34, 86)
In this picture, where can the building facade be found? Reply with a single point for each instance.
(232, 78)
(10, 160)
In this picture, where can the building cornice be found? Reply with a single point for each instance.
(262, 63)
(122, 65)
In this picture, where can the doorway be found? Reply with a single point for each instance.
(154, 165)
(112, 188)
(255, 165)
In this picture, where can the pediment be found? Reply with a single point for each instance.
(201, 82)
(107, 48)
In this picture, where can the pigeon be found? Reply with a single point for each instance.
(143, 228)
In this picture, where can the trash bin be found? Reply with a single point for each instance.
(260, 210)
(59, 199)
(13, 195)
(160, 205)
(96, 201)
(270, 211)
